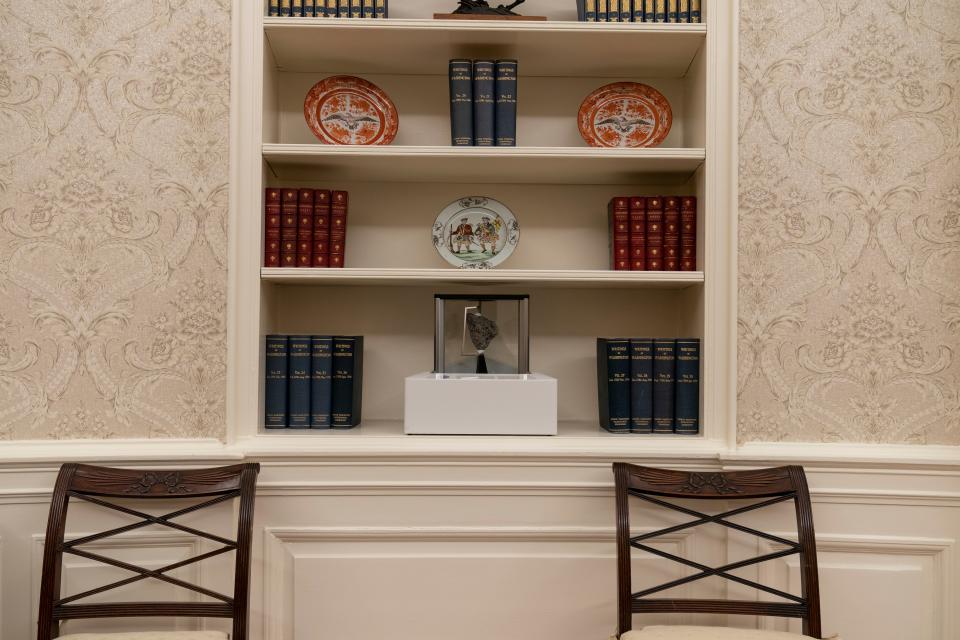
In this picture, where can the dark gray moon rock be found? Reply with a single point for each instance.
(482, 330)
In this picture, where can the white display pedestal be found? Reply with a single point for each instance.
(469, 404)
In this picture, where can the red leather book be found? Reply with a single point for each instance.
(321, 228)
(271, 228)
(305, 228)
(638, 234)
(338, 228)
(671, 233)
(654, 234)
(688, 233)
(618, 213)
(288, 228)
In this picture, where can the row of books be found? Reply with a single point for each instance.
(305, 228)
(313, 382)
(649, 385)
(483, 103)
(657, 233)
(665, 11)
(329, 8)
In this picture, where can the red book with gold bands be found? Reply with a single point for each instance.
(305, 228)
(338, 228)
(271, 228)
(654, 234)
(671, 233)
(688, 234)
(321, 228)
(618, 212)
(638, 234)
(289, 210)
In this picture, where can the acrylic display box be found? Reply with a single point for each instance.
(471, 404)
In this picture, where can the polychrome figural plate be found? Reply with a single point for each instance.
(625, 114)
(350, 110)
(476, 233)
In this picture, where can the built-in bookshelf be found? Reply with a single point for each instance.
(556, 185)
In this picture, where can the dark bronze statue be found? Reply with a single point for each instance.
(483, 7)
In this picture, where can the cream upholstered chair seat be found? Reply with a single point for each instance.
(149, 635)
(709, 633)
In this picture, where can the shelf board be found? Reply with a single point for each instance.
(427, 277)
(480, 165)
(570, 49)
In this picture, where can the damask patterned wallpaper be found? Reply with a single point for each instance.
(113, 206)
(849, 319)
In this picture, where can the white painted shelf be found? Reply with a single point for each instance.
(544, 278)
(479, 165)
(571, 49)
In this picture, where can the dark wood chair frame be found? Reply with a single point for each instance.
(770, 487)
(92, 484)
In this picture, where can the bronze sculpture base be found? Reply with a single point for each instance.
(484, 16)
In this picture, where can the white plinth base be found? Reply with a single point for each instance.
(467, 404)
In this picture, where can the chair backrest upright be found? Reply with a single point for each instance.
(763, 488)
(105, 487)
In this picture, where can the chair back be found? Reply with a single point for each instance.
(763, 488)
(103, 486)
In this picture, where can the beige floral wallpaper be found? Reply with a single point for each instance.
(113, 212)
(849, 319)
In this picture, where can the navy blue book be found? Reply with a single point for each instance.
(641, 385)
(461, 103)
(285, 10)
(274, 8)
(484, 107)
(626, 11)
(694, 10)
(343, 8)
(321, 381)
(381, 8)
(638, 11)
(369, 11)
(506, 110)
(347, 385)
(590, 11)
(356, 9)
(298, 383)
(296, 8)
(664, 384)
(613, 384)
(275, 383)
(687, 410)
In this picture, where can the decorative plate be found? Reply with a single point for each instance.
(625, 114)
(350, 110)
(476, 233)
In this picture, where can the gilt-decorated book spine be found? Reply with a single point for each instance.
(461, 103)
(273, 8)
(650, 11)
(505, 117)
(603, 10)
(356, 8)
(289, 210)
(590, 10)
(654, 234)
(310, 8)
(305, 228)
(286, 8)
(660, 10)
(638, 11)
(618, 213)
(296, 8)
(683, 15)
(695, 11)
(321, 228)
(664, 384)
(671, 233)
(343, 8)
(688, 233)
(275, 382)
(369, 9)
(638, 234)
(298, 383)
(613, 383)
(673, 11)
(626, 11)
(347, 385)
(321, 380)
(613, 11)
(641, 385)
(484, 106)
(687, 411)
(271, 228)
(381, 9)
(331, 8)
(338, 228)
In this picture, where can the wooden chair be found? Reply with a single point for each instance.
(102, 486)
(764, 488)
